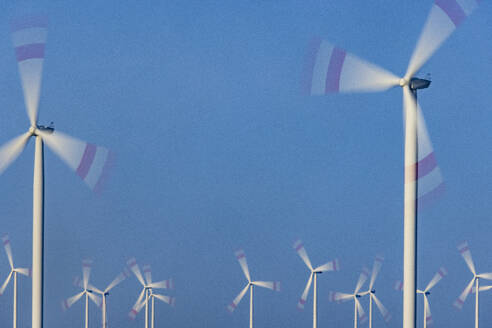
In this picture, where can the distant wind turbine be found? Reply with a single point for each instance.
(89, 161)
(273, 285)
(329, 266)
(13, 273)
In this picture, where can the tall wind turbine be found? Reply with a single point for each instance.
(332, 70)
(465, 252)
(89, 161)
(86, 272)
(372, 292)
(273, 285)
(13, 273)
(359, 314)
(329, 266)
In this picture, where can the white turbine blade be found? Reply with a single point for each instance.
(116, 281)
(70, 301)
(487, 276)
(398, 285)
(299, 247)
(164, 284)
(465, 252)
(330, 266)
(437, 277)
(11, 150)
(231, 307)
(445, 16)
(8, 250)
(91, 162)
(362, 279)
(29, 36)
(138, 305)
(6, 282)
(481, 288)
(95, 298)
(360, 311)
(305, 293)
(147, 271)
(330, 69)
(241, 257)
(428, 316)
(86, 271)
(376, 267)
(94, 289)
(132, 264)
(339, 297)
(384, 312)
(24, 271)
(273, 285)
(462, 298)
(167, 299)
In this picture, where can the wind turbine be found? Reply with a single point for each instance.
(89, 161)
(329, 266)
(332, 70)
(359, 313)
(164, 298)
(465, 252)
(104, 293)
(86, 272)
(273, 285)
(426, 292)
(372, 292)
(147, 287)
(13, 273)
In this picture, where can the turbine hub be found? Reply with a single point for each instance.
(32, 130)
(403, 82)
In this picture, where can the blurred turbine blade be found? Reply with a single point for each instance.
(445, 16)
(339, 297)
(6, 282)
(132, 264)
(29, 36)
(94, 289)
(299, 247)
(428, 315)
(86, 271)
(487, 276)
(462, 298)
(12, 149)
(231, 307)
(95, 298)
(376, 267)
(362, 279)
(360, 311)
(91, 162)
(241, 257)
(8, 250)
(77, 282)
(273, 285)
(330, 69)
(164, 284)
(305, 293)
(147, 271)
(482, 288)
(167, 299)
(116, 281)
(70, 301)
(384, 312)
(138, 305)
(437, 277)
(24, 271)
(330, 266)
(465, 252)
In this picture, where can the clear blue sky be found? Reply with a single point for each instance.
(217, 149)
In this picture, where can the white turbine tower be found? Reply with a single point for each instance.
(89, 294)
(329, 266)
(89, 161)
(465, 252)
(147, 290)
(372, 292)
(332, 70)
(359, 314)
(273, 285)
(13, 273)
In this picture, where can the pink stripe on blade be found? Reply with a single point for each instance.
(29, 22)
(29, 51)
(429, 198)
(108, 165)
(453, 10)
(424, 167)
(87, 159)
(335, 70)
(311, 55)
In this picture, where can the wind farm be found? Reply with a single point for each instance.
(275, 126)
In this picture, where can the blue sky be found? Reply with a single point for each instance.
(217, 149)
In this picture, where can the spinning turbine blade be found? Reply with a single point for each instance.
(96, 299)
(132, 264)
(330, 266)
(362, 279)
(273, 285)
(6, 282)
(167, 299)
(91, 163)
(462, 298)
(231, 307)
(339, 297)
(487, 275)
(70, 301)
(465, 252)
(119, 278)
(330, 69)
(164, 284)
(299, 247)
(384, 312)
(8, 250)
(437, 277)
(428, 317)
(241, 257)
(94, 289)
(29, 37)
(305, 293)
(86, 271)
(482, 288)
(11, 150)
(360, 311)
(378, 262)
(445, 16)
(24, 271)
(147, 273)
(138, 305)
